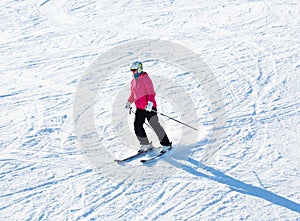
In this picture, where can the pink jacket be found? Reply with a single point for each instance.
(142, 91)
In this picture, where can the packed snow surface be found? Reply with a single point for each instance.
(252, 49)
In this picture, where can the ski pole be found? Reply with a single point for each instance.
(175, 120)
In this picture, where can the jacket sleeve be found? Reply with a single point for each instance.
(149, 89)
(131, 97)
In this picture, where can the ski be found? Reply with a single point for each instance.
(161, 153)
(132, 157)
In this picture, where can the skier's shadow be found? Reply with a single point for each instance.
(233, 183)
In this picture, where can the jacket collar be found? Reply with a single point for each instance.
(136, 76)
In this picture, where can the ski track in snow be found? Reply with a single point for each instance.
(253, 49)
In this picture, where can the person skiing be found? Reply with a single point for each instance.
(143, 95)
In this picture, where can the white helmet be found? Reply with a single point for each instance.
(137, 65)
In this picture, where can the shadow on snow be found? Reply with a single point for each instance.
(233, 183)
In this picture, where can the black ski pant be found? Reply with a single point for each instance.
(152, 118)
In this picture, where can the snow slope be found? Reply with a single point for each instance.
(251, 47)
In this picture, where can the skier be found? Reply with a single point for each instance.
(143, 95)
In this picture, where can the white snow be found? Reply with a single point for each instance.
(251, 47)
